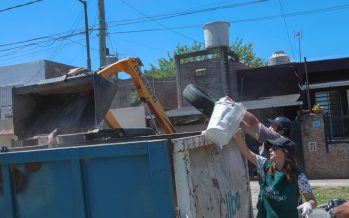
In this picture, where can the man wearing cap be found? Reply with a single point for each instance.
(280, 127)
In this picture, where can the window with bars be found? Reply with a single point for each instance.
(336, 123)
(330, 101)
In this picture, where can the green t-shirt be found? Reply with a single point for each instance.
(277, 198)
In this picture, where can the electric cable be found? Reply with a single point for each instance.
(47, 39)
(178, 33)
(256, 19)
(286, 27)
(19, 6)
(62, 45)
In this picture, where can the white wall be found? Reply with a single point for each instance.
(22, 73)
(130, 117)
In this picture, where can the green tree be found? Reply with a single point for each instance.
(166, 65)
(135, 101)
(245, 54)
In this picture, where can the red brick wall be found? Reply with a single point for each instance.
(320, 164)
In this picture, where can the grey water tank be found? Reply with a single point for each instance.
(110, 59)
(216, 34)
(278, 57)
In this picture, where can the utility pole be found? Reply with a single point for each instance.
(88, 57)
(307, 83)
(102, 31)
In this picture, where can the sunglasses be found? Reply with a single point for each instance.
(274, 148)
(276, 127)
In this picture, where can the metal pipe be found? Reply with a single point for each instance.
(307, 83)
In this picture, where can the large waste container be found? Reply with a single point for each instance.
(160, 176)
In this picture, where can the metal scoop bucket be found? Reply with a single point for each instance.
(74, 104)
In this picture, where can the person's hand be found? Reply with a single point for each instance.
(227, 98)
(306, 208)
(331, 213)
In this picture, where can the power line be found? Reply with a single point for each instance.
(55, 37)
(140, 44)
(286, 27)
(180, 13)
(299, 13)
(19, 6)
(62, 45)
(52, 41)
(180, 34)
(256, 19)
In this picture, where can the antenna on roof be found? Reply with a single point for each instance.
(298, 35)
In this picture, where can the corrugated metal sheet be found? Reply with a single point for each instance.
(5, 96)
(326, 85)
(273, 101)
(261, 103)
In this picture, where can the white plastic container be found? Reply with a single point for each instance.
(225, 121)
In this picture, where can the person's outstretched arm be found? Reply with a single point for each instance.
(240, 141)
(250, 124)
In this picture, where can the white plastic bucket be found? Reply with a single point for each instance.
(225, 121)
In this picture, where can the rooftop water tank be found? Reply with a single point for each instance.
(110, 59)
(216, 34)
(278, 57)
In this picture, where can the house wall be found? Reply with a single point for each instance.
(207, 76)
(320, 164)
(267, 81)
(204, 74)
(23, 74)
(165, 91)
(54, 69)
(130, 117)
(122, 96)
(5, 140)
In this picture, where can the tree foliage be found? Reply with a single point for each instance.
(135, 101)
(245, 53)
(166, 65)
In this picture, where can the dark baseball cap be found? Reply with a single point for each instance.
(281, 121)
(282, 142)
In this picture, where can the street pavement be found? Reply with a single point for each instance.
(318, 212)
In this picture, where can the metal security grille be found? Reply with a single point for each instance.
(336, 124)
(330, 101)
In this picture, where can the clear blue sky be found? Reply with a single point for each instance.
(324, 35)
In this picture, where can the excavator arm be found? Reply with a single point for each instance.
(132, 67)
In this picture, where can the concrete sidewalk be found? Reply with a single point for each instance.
(318, 212)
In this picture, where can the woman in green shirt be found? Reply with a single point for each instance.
(280, 181)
